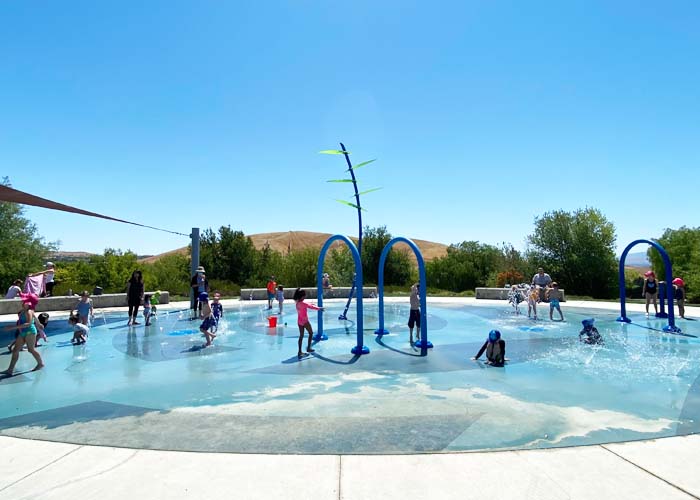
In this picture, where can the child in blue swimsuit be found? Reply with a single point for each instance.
(208, 326)
(555, 296)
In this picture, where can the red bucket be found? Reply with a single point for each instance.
(272, 321)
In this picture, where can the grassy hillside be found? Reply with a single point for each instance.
(298, 240)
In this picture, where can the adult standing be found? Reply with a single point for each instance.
(271, 289)
(134, 295)
(48, 274)
(543, 280)
(199, 284)
(26, 333)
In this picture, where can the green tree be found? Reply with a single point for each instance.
(578, 250)
(299, 268)
(467, 265)
(229, 255)
(22, 250)
(398, 266)
(683, 247)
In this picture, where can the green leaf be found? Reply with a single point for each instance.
(350, 205)
(340, 180)
(355, 167)
(333, 152)
(368, 191)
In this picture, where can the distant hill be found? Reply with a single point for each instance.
(638, 259)
(70, 256)
(284, 242)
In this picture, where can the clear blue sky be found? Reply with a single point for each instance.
(482, 115)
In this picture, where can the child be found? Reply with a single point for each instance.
(532, 298)
(155, 300)
(208, 326)
(679, 295)
(80, 330)
(589, 334)
(554, 295)
(280, 297)
(217, 309)
(26, 333)
(495, 348)
(303, 320)
(650, 290)
(515, 298)
(85, 310)
(414, 313)
(147, 311)
(41, 321)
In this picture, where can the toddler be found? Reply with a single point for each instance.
(217, 309)
(554, 295)
(280, 297)
(208, 326)
(495, 348)
(589, 334)
(80, 330)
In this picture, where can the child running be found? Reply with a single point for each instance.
(532, 298)
(80, 330)
(303, 320)
(208, 326)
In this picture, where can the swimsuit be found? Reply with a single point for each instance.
(650, 288)
(28, 330)
(302, 310)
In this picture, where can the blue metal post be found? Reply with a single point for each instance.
(194, 264)
(360, 348)
(671, 327)
(423, 342)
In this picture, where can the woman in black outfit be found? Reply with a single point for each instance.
(134, 294)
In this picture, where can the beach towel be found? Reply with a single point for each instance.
(34, 284)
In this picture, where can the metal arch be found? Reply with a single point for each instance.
(423, 343)
(360, 348)
(669, 289)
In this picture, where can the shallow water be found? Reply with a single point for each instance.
(157, 387)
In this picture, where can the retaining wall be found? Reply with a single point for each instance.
(66, 303)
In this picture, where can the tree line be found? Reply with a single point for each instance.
(576, 248)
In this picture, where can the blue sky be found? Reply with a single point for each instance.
(482, 115)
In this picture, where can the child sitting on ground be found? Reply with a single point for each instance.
(589, 334)
(495, 348)
(208, 326)
(217, 309)
(80, 330)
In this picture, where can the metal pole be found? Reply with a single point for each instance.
(194, 260)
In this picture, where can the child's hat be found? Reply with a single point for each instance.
(29, 298)
(649, 273)
(200, 269)
(588, 322)
(48, 264)
(204, 297)
(494, 335)
(678, 282)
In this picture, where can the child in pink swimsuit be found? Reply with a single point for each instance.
(303, 320)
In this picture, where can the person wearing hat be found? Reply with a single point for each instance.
(49, 272)
(199, 284)
(589, 334)
(26, 333)
(679, 295)
(495, 348)
(650, 291)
